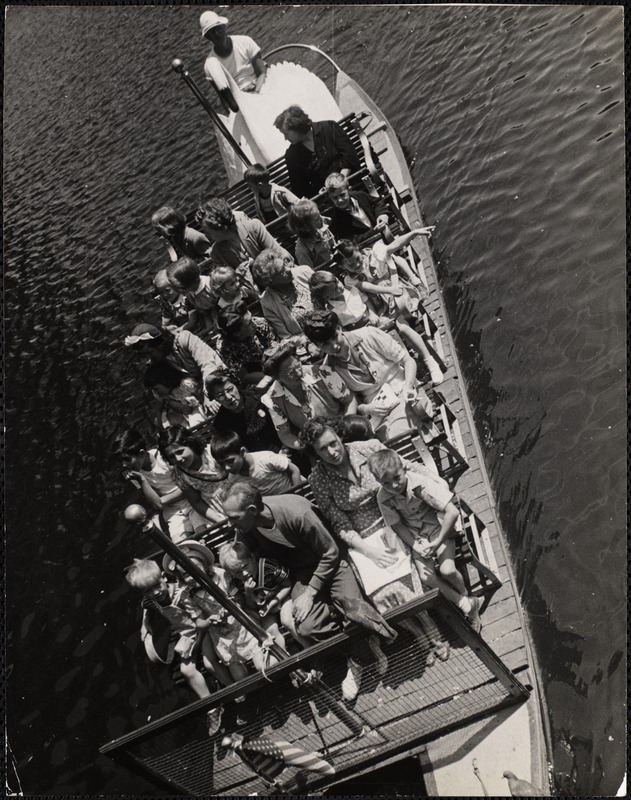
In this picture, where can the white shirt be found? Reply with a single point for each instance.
(270, 472)
(239, 62)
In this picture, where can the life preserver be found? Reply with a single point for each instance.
(215, 70)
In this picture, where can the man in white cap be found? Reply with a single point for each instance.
(240, 55)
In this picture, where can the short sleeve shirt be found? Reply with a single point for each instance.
(424, 496)
(239, 62)
(160, 477)
(269, 471)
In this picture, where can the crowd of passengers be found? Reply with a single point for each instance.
(302, 366)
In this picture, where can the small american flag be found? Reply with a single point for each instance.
(278, 752)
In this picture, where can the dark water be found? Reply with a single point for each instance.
(514, 118)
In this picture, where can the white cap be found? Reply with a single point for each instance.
(210, 20)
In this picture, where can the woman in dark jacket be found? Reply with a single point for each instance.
(316, 149)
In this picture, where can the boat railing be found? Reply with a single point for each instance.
(393, 716)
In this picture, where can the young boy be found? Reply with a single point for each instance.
(271, 200)
(272, 473)
(419, 507)
(173, 602)
(185, 277)
(155, 477)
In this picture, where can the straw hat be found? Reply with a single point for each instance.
(210, 20)
(190, 548)
(142, 333)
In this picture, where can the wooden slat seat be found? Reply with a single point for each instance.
(475, 557)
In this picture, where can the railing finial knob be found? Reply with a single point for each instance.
(136, 513)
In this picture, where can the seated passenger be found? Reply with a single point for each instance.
(262, 586)
(180, 238)
(185, 277)
(316, 149)
(271, 199)
(233, 643)
(272, 473)
(287, 529)
(172, 303)
(315, 241)
(300, 392)
(376, 367)
(350, 304)
(236, 238)
(240, 55)
(158, 485)
(244, 340)
(419, 506)
(346, 494)
(172, 601)
(182, 350)
(195, 471)
(241, 410)
(230, 286)
(380, 265)
(180, 396)
(355, 214)
(286, 297)
(378, 272)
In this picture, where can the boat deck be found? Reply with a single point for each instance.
(504, 625)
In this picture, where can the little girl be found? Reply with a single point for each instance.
(229, 286)
(180, 239)
(172, 304)
(349, 303)
(377, 268)
(234, 645)
(315, 244)
(263, 587)
(179, 394)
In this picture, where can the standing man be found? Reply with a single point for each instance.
(240, 55)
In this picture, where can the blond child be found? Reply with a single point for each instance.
(173, 602)
(234, 645)
(180, 396)
(172, 304)
(315, 244)
(263, 586)
(419, 507)
(229, 287)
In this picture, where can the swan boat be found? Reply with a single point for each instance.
(462, 722)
